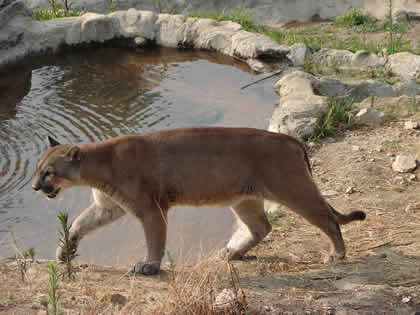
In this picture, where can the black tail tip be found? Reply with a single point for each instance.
(358, 215)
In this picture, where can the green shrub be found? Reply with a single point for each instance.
(351, 18)
(339, 115)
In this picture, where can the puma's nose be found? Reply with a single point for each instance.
(36, 187)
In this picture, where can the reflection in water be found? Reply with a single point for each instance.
(96, 94)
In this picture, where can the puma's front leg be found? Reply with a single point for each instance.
(89, 220)
(155, 227)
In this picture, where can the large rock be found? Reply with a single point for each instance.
(22, 36)
(272, 12)
(299, 53)
(370, 117)
(361, 89)
(405, 65)
(346, 60)
(299, 108)
(404, 163)
(394, 107)
(402, 15)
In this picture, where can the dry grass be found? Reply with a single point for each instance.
(198, 290)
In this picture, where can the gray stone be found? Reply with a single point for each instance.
(346, 60)
(402, 15)
(362, 89)
(256, 65)
(329, 193)
(350, 190)
(298, 54)
(299, 109)
(398, 107)
(404, 163)
(411, 124)
(404, 64)
(225, 299)
(10, 9)
(370, 117)
(22, 36)
(140, 41)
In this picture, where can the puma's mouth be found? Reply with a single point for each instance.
(53, 194)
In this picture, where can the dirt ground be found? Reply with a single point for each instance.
(381, 274)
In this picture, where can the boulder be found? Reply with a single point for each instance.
(402, 15)
(299, 109)
(346, 60)
(405, 65)
(404, 163)
(396, 107)
(272, 12)
(299, 53)
(411, 125)
(22, 36)
(362, 89)
(370, 117)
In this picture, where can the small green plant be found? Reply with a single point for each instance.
(56, 10)
(11, 297)
(67, 245)
(382, 75)
(308, 65)
(111, 5)
(21, 260)
(171, 264)
(392, 143)
(339, 115)
(274, 217)
(335, 66)
(53, 295)
(352, 17)
(239, 16)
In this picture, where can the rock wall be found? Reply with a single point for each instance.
(270, 12)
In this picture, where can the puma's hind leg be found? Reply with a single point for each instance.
(252, 227)
(303, 197)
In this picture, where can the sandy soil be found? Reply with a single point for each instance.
(380, 275)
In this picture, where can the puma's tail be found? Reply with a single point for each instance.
(356, 215)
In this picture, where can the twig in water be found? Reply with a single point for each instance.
(260, 80)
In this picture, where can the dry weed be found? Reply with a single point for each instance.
(201, 289)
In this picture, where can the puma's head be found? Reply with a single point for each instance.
(58, 169)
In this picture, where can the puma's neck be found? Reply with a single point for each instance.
(96, 167)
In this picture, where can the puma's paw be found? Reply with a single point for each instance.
(60, 255)
(142, 268)
(334, 258)
(230, 254)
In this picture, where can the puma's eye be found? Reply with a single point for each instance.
(48, 173)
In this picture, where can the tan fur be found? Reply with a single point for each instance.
(145, 175)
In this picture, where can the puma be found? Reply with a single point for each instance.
(145, 175)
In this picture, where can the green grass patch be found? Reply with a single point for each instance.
(338, 116)
(56, 11)
(352, 17)
(239, 16)
(316, 37)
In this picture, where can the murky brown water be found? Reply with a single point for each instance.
(94, 95)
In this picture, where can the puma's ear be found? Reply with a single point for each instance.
(52, 142)
(73, 154)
